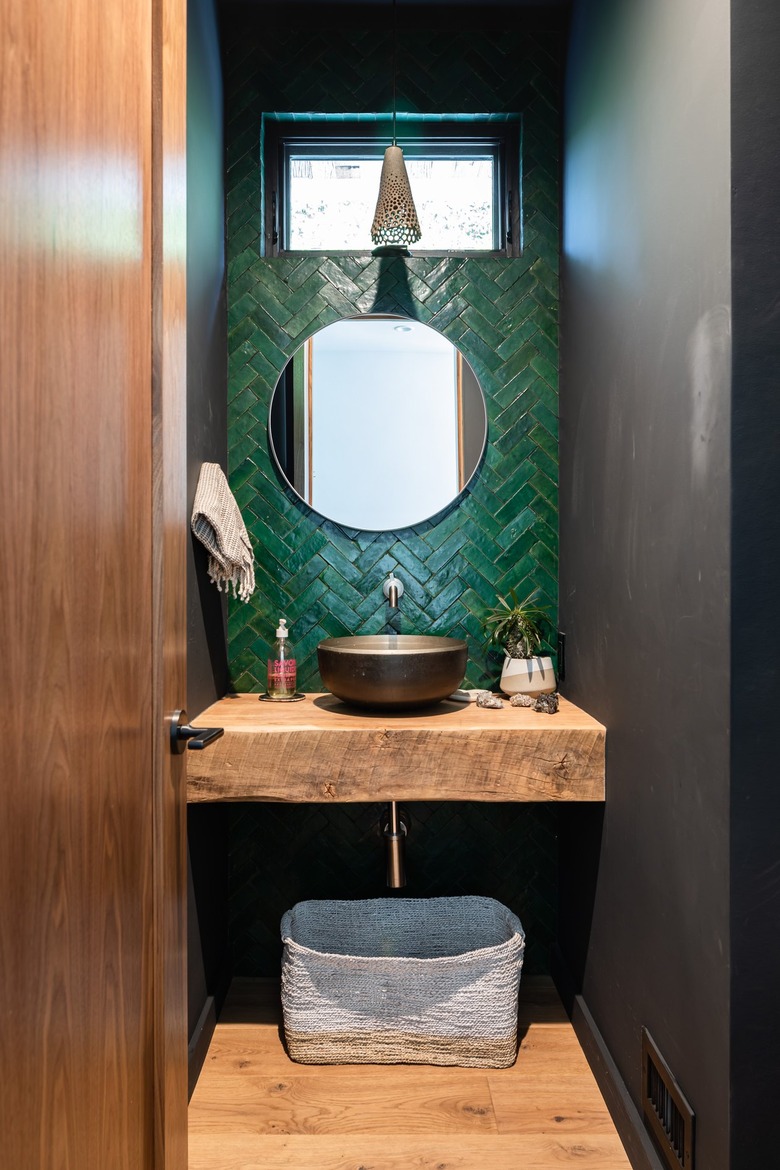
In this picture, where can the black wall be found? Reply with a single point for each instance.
(207, 675)
(755, 592)
(645, 536)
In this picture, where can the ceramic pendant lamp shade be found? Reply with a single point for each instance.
(395, 219)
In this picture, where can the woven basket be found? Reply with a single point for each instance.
(402, 981)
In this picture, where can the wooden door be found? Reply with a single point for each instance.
(92, 1032)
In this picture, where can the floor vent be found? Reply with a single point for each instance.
(668, 1115)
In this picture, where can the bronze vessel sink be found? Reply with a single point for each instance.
(392, 671)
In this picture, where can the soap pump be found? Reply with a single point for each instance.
(282, 666)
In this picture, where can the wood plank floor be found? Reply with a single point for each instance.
(254, 1109)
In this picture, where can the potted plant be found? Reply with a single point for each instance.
(519, 627)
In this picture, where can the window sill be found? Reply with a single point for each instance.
(291, 253)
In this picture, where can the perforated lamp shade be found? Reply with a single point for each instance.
(395, 218)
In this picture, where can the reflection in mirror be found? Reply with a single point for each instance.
(378, 423)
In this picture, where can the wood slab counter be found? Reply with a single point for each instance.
(320, 750)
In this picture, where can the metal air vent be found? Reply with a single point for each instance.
(667, 1114)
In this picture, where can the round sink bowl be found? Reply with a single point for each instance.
(392, 670)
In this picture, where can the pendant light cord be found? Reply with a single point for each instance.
(395, 59)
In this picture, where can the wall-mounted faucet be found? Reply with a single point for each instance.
(393, 589)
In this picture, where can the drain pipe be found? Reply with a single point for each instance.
(395, 829)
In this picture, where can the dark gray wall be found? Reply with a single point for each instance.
(207, 680)
(207, 676)
(645, 533)
(755, 573)
(209, 966)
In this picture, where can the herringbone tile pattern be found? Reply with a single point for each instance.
(502, 313)
(282, 854)
(327, 580)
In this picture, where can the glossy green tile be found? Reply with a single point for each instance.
(479, 325)
(239, 310)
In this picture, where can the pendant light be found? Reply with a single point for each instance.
(395, 223)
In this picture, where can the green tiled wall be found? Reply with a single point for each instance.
(501, 312)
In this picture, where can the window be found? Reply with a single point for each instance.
(321, 181)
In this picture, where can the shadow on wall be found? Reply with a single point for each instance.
(212, 607)
(393, 294)
(580, 833)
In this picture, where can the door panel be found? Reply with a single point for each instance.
(169, 358)
(83, 838)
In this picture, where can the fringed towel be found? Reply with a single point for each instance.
(217, 523)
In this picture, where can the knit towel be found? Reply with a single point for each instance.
(217, 523)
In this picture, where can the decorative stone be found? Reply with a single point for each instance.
(547, 704)
(522, 701)
(486, 699)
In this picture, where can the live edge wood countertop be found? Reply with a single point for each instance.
(320, 750)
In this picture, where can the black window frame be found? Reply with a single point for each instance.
(358, 138)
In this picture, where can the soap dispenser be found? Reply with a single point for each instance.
(282, 668)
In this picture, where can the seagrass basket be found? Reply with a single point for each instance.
(402, 981)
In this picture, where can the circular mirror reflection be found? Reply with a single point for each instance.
(378, 422)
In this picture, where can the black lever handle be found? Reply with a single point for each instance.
(205, 736)
(184, 735)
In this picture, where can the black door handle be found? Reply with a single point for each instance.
(184, 735)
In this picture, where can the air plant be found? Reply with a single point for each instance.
(518, 626)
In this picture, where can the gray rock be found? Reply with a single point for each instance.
(486, 699)
(547, 704)
(522, 701)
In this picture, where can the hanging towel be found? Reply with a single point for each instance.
(217, 523)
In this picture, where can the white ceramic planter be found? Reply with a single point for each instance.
(527, 676)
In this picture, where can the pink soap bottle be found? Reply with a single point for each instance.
(282, 669)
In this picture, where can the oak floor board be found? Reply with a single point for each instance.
(353, 1103)
(549, 1104)
(255, 1109)
(550, 1049)
(368, 1152)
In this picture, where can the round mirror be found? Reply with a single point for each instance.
(378, 422)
